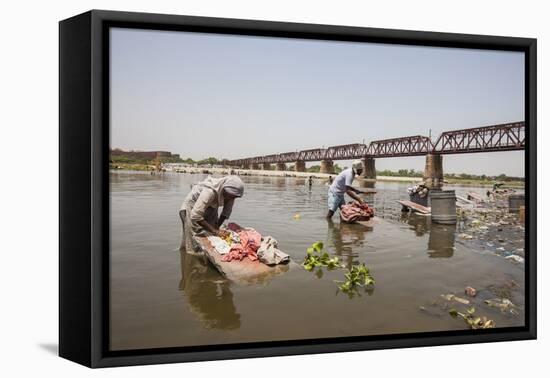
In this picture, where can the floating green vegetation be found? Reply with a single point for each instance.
(316, 257)
(357, 276)
(473, 321)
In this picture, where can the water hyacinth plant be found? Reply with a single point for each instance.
(357, 276)
(316, 257)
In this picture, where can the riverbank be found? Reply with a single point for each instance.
(252, 172)
(484, 183)
(315, 175)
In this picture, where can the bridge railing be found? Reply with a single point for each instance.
(406, 146)
(503, 137)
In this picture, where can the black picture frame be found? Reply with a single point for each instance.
(84, 187)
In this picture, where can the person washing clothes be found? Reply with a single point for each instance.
(199, 209)
(342, 185)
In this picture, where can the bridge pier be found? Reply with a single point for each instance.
(433, 171)
(281, 167)
(369, 168)
(327, 166)
(245, 166)
(266, 167)
(300, 166)
(256, 166)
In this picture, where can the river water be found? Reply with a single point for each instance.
(161, 297)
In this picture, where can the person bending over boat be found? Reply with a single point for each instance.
(342, 185)
(199, 209)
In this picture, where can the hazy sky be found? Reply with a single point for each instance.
(203, 95)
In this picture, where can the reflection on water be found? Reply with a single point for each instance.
(344, 237)
(366, 184)
(441, 241)
(163, 298)
(207, 293)
(419, 224)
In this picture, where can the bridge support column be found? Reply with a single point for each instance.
(300, 166)
(266, 167)
(281, 166)
(433, 172)
(245, 166)
(369, 168)
(327, 166)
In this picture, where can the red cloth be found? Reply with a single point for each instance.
(354, 211)
(250, 242)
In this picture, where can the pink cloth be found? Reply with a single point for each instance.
(354, 211)
(250, 242)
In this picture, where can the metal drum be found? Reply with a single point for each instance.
(515, 201)
(443, 203)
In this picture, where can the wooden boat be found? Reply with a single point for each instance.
(245, 271)
(415, 207)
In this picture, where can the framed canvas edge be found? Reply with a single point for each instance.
(101, 20)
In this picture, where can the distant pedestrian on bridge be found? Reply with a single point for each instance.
(341, 185)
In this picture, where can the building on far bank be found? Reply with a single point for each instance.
(143, 155)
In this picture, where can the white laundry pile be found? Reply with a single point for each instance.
(269, 254)
(219, 244)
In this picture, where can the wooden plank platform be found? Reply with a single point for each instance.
(462, 199)
(415, 207)
(245, 271)
(475, 196)
(464, 203)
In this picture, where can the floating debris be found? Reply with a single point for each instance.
(516, 258)
(473, 321)
(297, 216)
(452, 297)
(470, 291)
(494, 228)
(505, 305)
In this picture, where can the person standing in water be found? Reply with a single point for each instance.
(342, 185)
(199, 210)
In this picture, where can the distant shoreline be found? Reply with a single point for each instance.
(258, 172)
(316, 175)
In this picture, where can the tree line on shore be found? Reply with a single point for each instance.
(457, 176)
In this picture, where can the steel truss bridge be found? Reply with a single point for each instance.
(503, 137)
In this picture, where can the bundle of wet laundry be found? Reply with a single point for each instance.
(223, 245)
(250, 240)
(420, 190)
(353, 212)
(269, 254)
(253, 246)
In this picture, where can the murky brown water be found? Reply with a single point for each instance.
(163, 298)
